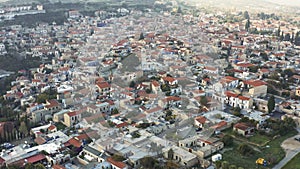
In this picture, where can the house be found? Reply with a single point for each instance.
(92, 154)
(210, 70)
(181, 155)
(155, 86)
(74, 14)
(103, 88)
(229, 82)
(59, 116)
(243, 66)
(205, 82)
(72, 118)
(208, 147)
(257, 116)
(52, 106)
(154, 113)
(200, 121)
(171, 101)
(40, 115)
(169, 81)
(243, 129)
(235, 100)
(255, 88)
(52, 128)
(116, 164)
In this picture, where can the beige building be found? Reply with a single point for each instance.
(243, 129)
(255, 88)
(40, 115)
(59, 116)
(182, 156)
(72, 118)
(297, 93)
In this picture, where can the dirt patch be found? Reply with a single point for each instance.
(291, 143)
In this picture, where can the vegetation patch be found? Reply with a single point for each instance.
(294, 163)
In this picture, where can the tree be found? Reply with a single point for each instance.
(247, 25)
(225, 165)
(132, 84)
(227, 140)
(253, 69)
(117, 157)
(218, 164)
(115, 111)
(39, 166)
(170, 154)
(232, 167)
(278, 32)
(287, 37)
(288, 72)
(29, 166)
(179, 10)
(244, 149)
(23, 129)
(142, 36)
(246, 15)
(271, 103)
(148, 162)
(203, 101)
(264, 56)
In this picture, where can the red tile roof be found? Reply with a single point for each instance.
(52, 103)
(221, 124)
(122, 125)
(155, 109)
(255, 83)
(155, 83)
(231, 94)
(73, 113)
(36, 158)
(169, 79)
(39, 140)
(82, 136)
(210, 68)
(52, 127)
(244, 98)
(58, 167)
(173, 98)
(116, 163)
(74, 142)
(103, 85)
(2, 160)
(245, 64)
(201, 119)
(242, 126)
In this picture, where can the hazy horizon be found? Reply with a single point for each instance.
(286, 2)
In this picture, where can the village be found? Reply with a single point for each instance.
(147, 88)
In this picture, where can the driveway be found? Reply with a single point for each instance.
(291, 147)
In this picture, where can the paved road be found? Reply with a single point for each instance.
(292, 148)
(289, 155)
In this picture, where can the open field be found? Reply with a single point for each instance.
(294, 163)
(272, 151)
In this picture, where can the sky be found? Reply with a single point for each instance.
(286, 2)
